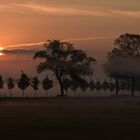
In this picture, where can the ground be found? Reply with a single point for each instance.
(89, 118)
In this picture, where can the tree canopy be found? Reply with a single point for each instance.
(124, 60)
(23, 82)
(66, 62)
(35, 83)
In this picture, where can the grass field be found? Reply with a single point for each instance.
(111, 118)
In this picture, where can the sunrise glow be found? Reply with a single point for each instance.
(1, 48)
(69, 69)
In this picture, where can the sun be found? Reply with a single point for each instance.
(1, 49)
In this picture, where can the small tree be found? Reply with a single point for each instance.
(1, 83)
(35, 83)
(65, 62)
(84, 85)
(47, 84)
(91, 85)
(98, 85)
(23, 82)
(73, 85)
(66, 84)
(10, 84)
(105, 85)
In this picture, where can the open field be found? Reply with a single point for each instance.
(111, 118)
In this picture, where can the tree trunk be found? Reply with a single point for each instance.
(132, 86)
(35, 93)
(61, 87)
(46, 93)
(23, 93)
(117, 86)
(10, 92)
(60, 84)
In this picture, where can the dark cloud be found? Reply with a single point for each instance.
(19, 51)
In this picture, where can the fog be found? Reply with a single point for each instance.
(125, 65)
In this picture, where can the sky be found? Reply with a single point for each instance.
(39, 20)
(92, 25)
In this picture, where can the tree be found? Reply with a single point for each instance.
(98, 85)
(66, 84)
(10, 84)
(1, 83)
(91, 85)
(128, 45)
(65, 62)
(23, 82)
(35, 83)
(124, 60)
(111, 86)
(105, 85)
(47, 84)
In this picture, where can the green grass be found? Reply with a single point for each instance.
(111, 118)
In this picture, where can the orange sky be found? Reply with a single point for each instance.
(37, 20)
(90, 24)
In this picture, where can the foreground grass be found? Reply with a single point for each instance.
(111, 118)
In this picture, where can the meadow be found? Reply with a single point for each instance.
(70, 118)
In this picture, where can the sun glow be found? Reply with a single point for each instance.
(1, 48)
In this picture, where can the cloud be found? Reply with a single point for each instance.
(39, 45)
(19, 51)
(61, 11)
(27, 45)
(135, 14)
(25, 8)
(49, 10)
(32, 48)
(89, 38)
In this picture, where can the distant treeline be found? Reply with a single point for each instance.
(24, 82)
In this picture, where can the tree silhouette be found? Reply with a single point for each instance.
(65, 62)
(35, 83)
(105, 85)
(124, 60)
(73, 85)
(98, 85)
(128, 45)
(1, 83)
(111, 86)
(23, 82)
(91, 85)
(10, 84)
(47, 84)
(66, 84)
(84, 85)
